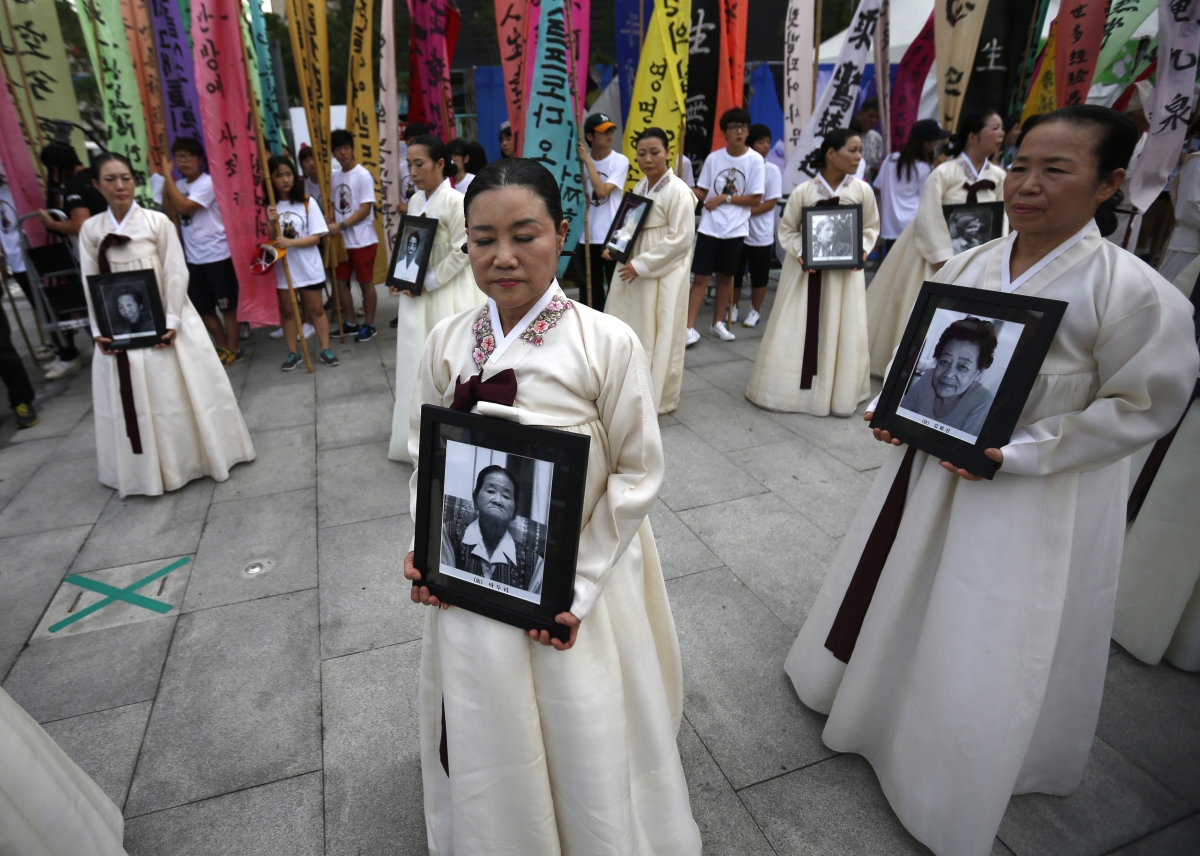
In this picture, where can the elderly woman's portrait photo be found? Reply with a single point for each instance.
(832, 237)
(961, 363)
(973, 225)
(494, 519)
(128, 308)
(626, 226)
(410, 255)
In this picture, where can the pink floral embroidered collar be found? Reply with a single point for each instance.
(545, 316)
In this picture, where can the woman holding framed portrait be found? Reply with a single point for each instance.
(448, 288)
(530, 744)
(165, 415)
(814, 357)
(960, 639)
(650, 291)
(925, 244)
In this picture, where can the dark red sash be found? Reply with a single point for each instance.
(500, 388)
(812, 328)
(973, 190)
(126, 383)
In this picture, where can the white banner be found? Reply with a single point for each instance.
(836, 106)
(389, 134)
(1170, 105)
(799, 46)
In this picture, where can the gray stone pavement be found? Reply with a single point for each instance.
(275, 713)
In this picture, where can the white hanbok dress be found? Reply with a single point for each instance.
(552, 752)
(449, 289)
(187, 414)
(979, 667)
(843, 376)
(655, 304)
(924, 243)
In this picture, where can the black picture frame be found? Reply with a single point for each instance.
(620, 241)
(821, 255)
(972, 226)
(1023, 335)
(107, 292)
(400, 269)
(552, 462)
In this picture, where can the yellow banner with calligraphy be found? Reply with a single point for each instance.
(1042, 94)
(361, 120)
(658, 92)
(956, 28)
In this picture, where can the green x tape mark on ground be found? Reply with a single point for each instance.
(114, 594)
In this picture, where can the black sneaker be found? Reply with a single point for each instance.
(26, 416)
(290, 362)
(366, 332)
(328, 357)
(395, 322)
(349, 329)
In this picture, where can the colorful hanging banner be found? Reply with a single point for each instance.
(433, 64)
(389, 136)
(361, 118)
(883, 82)
(632, 17)
(18, 162)
(1081, 28)
(956, 28)
(266, 78)
(35, 63)
(550, 136)
(836, 105)
(310, 48)
(910, 80)
(140, 37)
(578, 15)
(1027, 61)
(1124, 17)
(732, 62)
(231, 148)
(177, 78)
(1129, 62)
(798, 82)
(510, 33)
(662, 79)
(1042, 93)
(1169, 107)
(704, 70)
(998, 58)
(533, 20)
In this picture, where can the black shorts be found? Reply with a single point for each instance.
(213, 286)
(716, 254)
(758, 260)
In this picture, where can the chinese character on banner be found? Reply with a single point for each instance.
(956, 36)
(1075, 62)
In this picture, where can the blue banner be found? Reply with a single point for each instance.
(764, 103)
(633, 19)
(266, 77)
(491, 107)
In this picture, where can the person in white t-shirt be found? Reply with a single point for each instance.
(901, 177)
(354, 219)
(308, 165)
(730, 185)
(301, 225)
(606, 173)
(470, 157)
(212, 278)
(686, 171)
(756, 252)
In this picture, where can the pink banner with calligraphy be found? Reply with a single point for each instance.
(910, 79)
(232, 149)
(433, 64)
(1080, 35)
(17, 162)
(510, 34)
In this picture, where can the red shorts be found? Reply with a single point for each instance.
(362, 263)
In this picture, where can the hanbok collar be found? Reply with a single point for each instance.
(661, 183)
(540, 319)
(437, 190)
(118, 227)
(969, 168)
(1007, 285)
(822, 184)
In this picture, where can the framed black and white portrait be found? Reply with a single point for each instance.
(626, 226)
(973, 225)
(833, 237)
(499, 509)
(410, 253)
(963, 371)
(128, 308)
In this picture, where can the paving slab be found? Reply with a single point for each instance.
(57, 678)
(142, 528)
(8, 656)
(284, 461)
(361, 371)
(105, 745)
(1116, 803)
(19, 462)
(373, 792)
(265, 370)
(71, 599)
(781, 556)
(267, 404)
(352, 420)
(60, 494)
(280, 819)
(239, 703)
(56, 417)
(1149, 716)
(693, 382)
(698, 475)
(679, 550)
(847, 439)
(746, 346)
(1177, 839)
(732, 375)
(725, 824)
(733, 651)
(81, 442)
(276, 531)
(364, 597)
(708, 349)
(31, 568)
(727, 423)
(358, 483)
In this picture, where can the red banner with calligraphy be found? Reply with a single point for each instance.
(429, 50)
(510, 33)
(732, 63)
(232, 150)
(1080, 34)
(140, 36)
(17, 163)
(910, 80)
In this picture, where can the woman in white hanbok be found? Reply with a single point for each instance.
(814, 357)
(165, 415)
(449, 287)
(650, 291)
(966, 661)
(528, 745)
(924, 245)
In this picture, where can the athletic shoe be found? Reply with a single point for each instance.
(329, 358)
(43, 354)
(328, 303)
(309, 331)
(721, 333)
(752, 319)
(231, 357)
(394, 323)
(693, 336)
(277, 334)
(366, 332)
(62, 368)
(26, 416)
(733, 320)
(290, 362)
(245, 331)
(349, 329)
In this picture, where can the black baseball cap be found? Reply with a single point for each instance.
(928, 129)
(598, 122)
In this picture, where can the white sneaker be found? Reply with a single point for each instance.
(752, 319)
(62, 368)
(693, 336)
(277, 334)
(721, 333)
(43, 354)
(734, 317)
(309, 331)
(244, 331)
